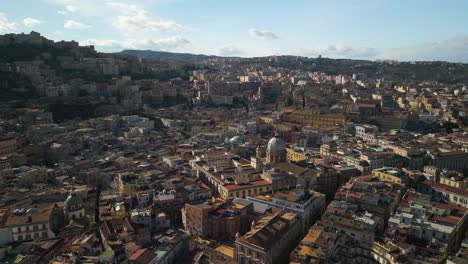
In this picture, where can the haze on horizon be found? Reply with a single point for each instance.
(365, 29)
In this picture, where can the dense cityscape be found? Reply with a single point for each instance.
(127, 158)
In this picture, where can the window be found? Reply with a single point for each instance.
(20, 237)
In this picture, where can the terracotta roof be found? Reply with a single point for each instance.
(214, 155)
(247, 185)
(447, 188)
(285, 196)
(131, 247)
(366, 105)
(290, 167)
(39, 213)
(143, 256)
(269, 230)
(452, 220)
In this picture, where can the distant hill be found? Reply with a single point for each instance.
(164, 55)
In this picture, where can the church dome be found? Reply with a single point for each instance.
(73, 202)
(276, 144)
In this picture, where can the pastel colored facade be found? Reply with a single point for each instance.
(295, 156)
(452, 194)
(7, 146)
(33, 223)
(458, 182)
(362, 130)
(389, 174)
(245, 189)
(314, 118)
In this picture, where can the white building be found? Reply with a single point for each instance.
(173, 161)
(361, 130)
(137, 121)
(427, 118)
(308, 205)
(141, 217)
(34, 222)
(247, 128)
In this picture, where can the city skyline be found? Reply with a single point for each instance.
(338, 29)
(269, 152)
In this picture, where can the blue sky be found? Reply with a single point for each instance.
(361, 29)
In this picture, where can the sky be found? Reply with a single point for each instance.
(402, 30)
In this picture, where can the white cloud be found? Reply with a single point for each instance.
(7, 26)
(134, 19)
(339, 51)
(262, 34)
(229, 50)
(31, 22)
(125, 8)
(86, 8)
(452, 49)
(72, 24)
(172, 42)
(164, 44)
(71, 8)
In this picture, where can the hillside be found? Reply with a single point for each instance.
(165, 56)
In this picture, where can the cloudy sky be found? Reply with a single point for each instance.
(360, 29)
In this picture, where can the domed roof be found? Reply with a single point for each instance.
(73, 202)
(236, 140)
(276, 144)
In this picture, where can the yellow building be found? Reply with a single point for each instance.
(127, 182)
(312, 249)
(246, 189)
(414, 104)
(390, 174)
(284, 127)
(405, 151)
(455, 181)
(314, 118)
(295, 156)
(266, 119)
(7, 146)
